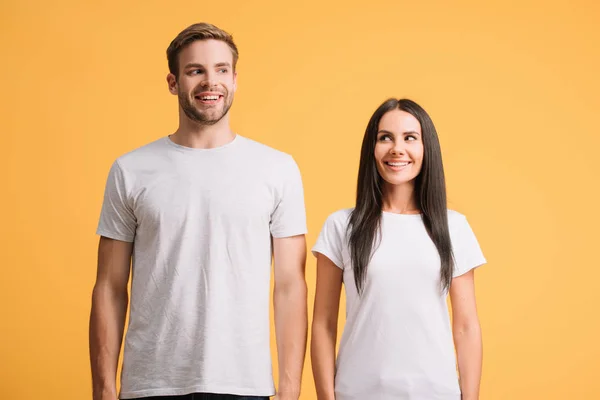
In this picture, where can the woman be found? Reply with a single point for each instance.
(399, 253)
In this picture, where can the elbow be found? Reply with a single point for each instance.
(466, 328)
(291, 287)
(323, 329)
(104, 292)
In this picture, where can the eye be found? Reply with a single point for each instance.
(223, 70)
(410, 137)
(195, 72)
(385, 138)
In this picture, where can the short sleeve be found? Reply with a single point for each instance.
(117, 220)
(289, 215)
(467, 252)
(331, 240)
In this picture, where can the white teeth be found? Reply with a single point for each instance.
(398, 164)
(210, 97)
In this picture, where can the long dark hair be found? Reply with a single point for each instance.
(430, 192)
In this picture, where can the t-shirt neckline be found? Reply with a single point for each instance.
(227, 145)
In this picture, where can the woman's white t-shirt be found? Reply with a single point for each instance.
(397, 342)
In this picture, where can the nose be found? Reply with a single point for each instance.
(398, 148)
(210, 78)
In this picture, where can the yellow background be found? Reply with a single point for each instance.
(513, 89)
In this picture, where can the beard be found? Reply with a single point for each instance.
(208, 116)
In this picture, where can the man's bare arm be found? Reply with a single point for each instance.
(107, 319)
(291, 320)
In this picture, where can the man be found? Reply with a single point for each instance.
(200, 213)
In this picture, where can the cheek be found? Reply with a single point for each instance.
(380, 151)
(184, 87)
(418, 153)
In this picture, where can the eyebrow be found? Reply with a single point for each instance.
(403, 133)
(217, 65)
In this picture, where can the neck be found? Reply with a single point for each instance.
(201, 136)
(400, 199)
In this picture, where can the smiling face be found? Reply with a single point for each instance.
(399, 148)
(206, 81)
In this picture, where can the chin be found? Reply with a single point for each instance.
(398, 182)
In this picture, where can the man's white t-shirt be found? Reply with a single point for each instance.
(201, 221)
(397, 342)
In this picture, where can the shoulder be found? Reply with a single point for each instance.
(342, 215)
(339, 220)
(454, 215)
(146, 154)
(265, 153)
(458, 225)
(456, 219)
(333, 237)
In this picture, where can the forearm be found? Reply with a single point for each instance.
(291, 323)
(469, 353)
(323, 360)
(107, 321)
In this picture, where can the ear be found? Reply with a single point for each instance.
(172, 82)
(234, 81)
